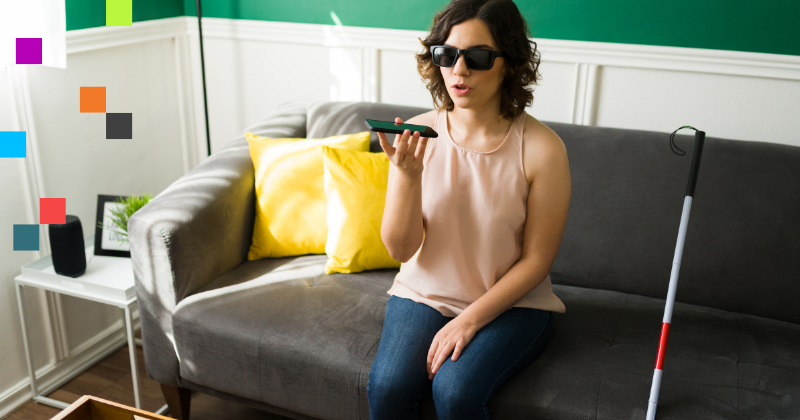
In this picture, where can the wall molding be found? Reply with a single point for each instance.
(565, 51)
(373, 40)
(588, 57)
(114, 36)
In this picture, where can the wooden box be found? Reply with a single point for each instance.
(88, 407)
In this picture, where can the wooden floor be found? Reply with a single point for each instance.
(111, 379)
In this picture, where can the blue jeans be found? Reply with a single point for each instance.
(399, 377)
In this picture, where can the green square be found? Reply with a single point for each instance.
(119, 12)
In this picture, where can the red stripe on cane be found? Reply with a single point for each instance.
(662, 345)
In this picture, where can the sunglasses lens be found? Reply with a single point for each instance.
(478, 59)
(443, 56)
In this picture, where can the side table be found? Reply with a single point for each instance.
(107, 280)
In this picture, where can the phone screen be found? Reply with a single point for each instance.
(396, 126)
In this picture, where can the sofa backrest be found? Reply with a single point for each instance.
(742, 250)
(325, 119)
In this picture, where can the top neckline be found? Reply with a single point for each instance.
(447, 130)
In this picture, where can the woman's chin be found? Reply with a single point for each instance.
(463, 101)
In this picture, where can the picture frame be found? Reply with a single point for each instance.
(106, 239)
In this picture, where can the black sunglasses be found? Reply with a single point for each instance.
(475, 58)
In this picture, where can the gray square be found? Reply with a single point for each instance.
(119, 126)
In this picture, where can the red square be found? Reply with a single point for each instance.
(52, 211)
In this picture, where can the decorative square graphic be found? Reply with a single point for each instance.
(93, 99)
(12, 144)
(26, 237)
(52, 211)
(119, 126)
(119, 12)
(29, 50)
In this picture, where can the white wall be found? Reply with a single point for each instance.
(152, 70)
(77, 162)
(14, 209)
(254, 66)
(727, 106)
(69, 156)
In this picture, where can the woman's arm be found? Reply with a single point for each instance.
(402, 226)
(401, 229)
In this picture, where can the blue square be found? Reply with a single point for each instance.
(26, 237)
(12, 144)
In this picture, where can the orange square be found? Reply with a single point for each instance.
(93, 99)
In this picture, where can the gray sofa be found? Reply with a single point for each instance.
(280, 335)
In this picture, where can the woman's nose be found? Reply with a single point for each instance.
(460, 68)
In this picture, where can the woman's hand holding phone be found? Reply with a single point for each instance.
(407, 152)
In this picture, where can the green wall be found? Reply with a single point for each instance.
(92, 13)
(768, 26)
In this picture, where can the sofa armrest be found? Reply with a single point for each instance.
(197, 229)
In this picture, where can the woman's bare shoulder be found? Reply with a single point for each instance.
(427, 118)
(541, 147)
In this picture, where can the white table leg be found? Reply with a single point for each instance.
(134, 360)
(28, 358)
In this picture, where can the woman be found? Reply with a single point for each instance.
(476, 217)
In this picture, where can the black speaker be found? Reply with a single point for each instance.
(67, 248)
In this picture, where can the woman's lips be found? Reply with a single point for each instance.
(461, 91)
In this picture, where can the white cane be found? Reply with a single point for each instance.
(699, 137)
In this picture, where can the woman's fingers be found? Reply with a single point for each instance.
(423, 143)
(412, 145)
(402, 146)
(406, 145)
(385, 144)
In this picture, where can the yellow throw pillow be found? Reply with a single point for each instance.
(290, 196)
(355, 183)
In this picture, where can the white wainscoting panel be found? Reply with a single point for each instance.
(247, 79)
(16, 207)
(69, 156)
(552, 96)
(400, 82)
(727, 106)
(78, 162)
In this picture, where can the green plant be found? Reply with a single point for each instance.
(122, 213)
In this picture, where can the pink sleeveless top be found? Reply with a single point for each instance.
(474, 206)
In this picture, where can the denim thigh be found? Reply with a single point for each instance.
(514, 339)
(461, 389)
(399, 376)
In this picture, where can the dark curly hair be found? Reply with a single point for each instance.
(510, 32)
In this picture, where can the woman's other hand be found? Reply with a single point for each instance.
(407, 152)
(453, 337)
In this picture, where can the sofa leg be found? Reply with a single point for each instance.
(178, 400)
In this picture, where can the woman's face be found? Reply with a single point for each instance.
(484, 85)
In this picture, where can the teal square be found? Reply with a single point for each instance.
(26, 237)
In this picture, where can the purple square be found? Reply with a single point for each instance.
(29, 50)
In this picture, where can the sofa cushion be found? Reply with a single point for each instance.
(355, 185)
(290, 171)
(305, 341)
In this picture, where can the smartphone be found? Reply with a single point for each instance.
(393, 127)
